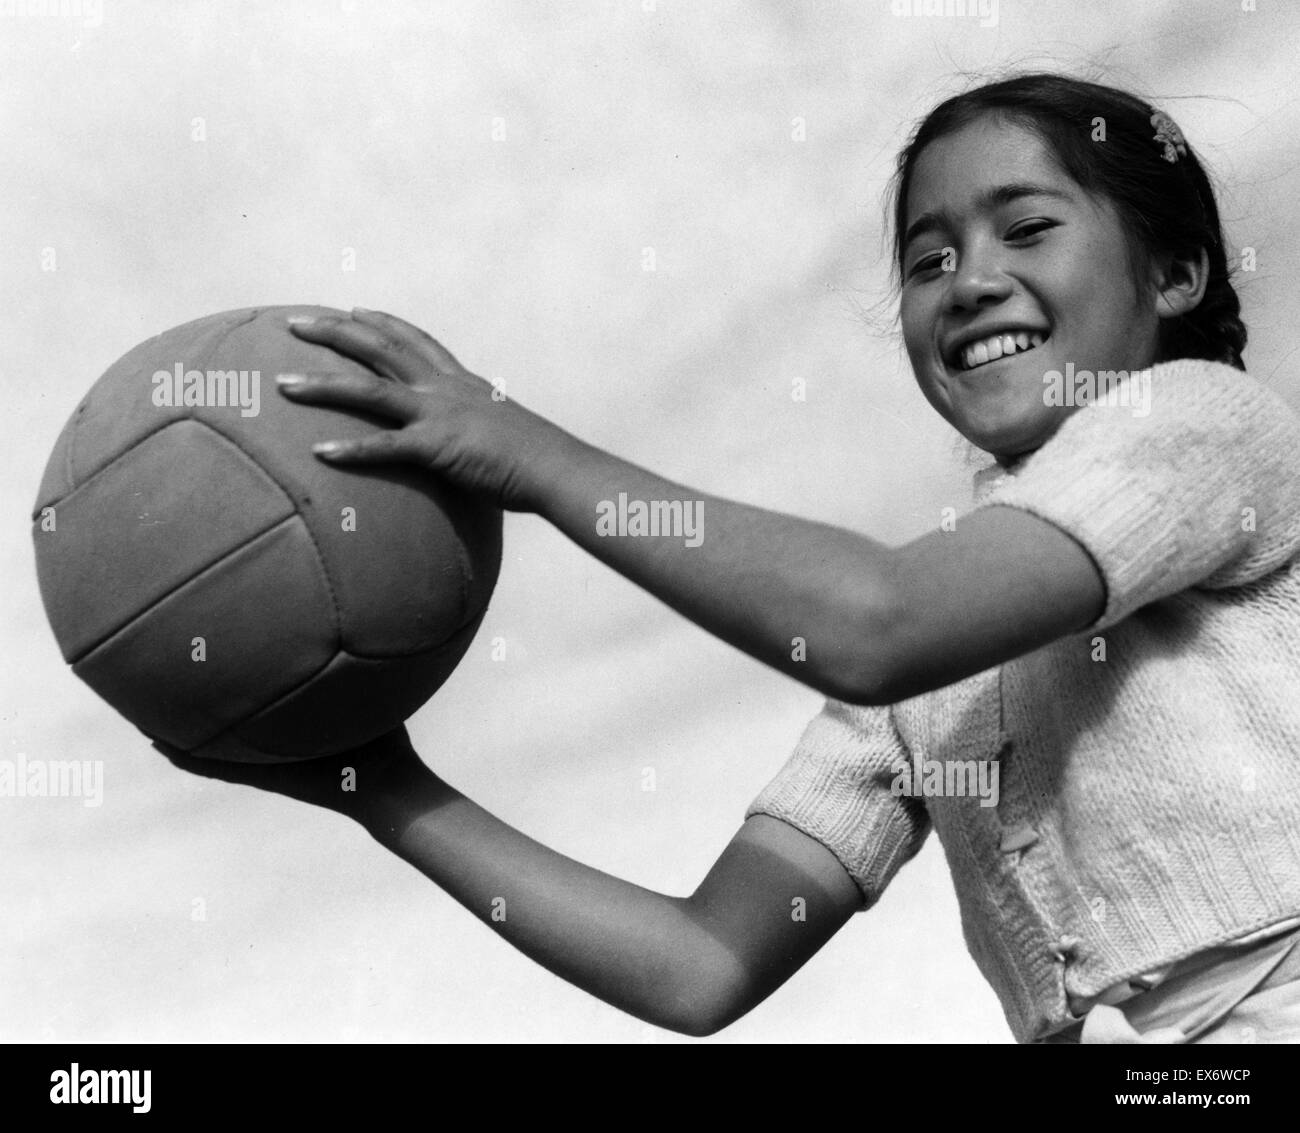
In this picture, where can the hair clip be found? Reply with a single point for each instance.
(1169, 135)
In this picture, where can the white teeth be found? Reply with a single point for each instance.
(998, 346)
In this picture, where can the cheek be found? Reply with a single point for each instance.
(916, 329)
(1096, 279)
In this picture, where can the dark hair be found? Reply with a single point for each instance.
(1165, 207)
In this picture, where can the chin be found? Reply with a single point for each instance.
(1006, 442)
(1011, 428)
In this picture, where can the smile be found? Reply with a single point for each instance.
(995, 346)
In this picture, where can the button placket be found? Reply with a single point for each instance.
(1016, 836)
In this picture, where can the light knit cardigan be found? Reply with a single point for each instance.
(1149, 766)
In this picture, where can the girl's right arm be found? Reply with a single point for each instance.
(690, 964)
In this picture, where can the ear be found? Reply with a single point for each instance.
(1180, 284)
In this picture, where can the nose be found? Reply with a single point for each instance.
(977, 281)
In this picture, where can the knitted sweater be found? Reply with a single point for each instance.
(1148, 767)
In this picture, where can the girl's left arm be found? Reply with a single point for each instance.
(847, 615)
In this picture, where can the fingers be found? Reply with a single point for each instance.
(365, 343)
(385, 343)
(396, 328)
(366, 392)
(379, 448)
(208, 768)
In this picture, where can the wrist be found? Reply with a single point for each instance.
(372, 782)
(398, 798)
(553, 461)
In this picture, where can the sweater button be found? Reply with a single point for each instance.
(1064, 948)
(1017, 838)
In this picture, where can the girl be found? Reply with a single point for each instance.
(1090, 688)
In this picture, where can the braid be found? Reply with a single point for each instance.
(1214, 330)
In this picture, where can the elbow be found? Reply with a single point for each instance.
(864, 668)
(708, 1014)
(702, 1027)
(864, 658)
(704, 1000)
(691, 1022)
(862, 686)
(701, 1019)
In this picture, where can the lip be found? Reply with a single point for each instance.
(952, 351)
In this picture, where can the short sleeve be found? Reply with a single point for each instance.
(836, 788)
(1195, 483)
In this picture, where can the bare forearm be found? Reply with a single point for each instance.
(641, 951)
(814, 601)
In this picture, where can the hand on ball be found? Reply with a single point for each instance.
(445, 418)
(354, 783)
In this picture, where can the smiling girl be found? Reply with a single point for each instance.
(1115, 626)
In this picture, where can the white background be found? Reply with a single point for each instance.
(337, 130)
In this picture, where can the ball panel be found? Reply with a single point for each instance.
(266, 619)
(57, 482)
(119, 411)
(477, 531)
(352, 701)
(399, 576)
(167, 509)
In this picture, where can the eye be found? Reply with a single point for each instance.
(1030, 228)
(925, 264)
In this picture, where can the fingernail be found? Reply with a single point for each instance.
(327, 448)
(289, 381)
(301, 320)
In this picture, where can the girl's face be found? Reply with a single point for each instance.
(1028, 252)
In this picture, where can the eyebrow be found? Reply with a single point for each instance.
(992, 198)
